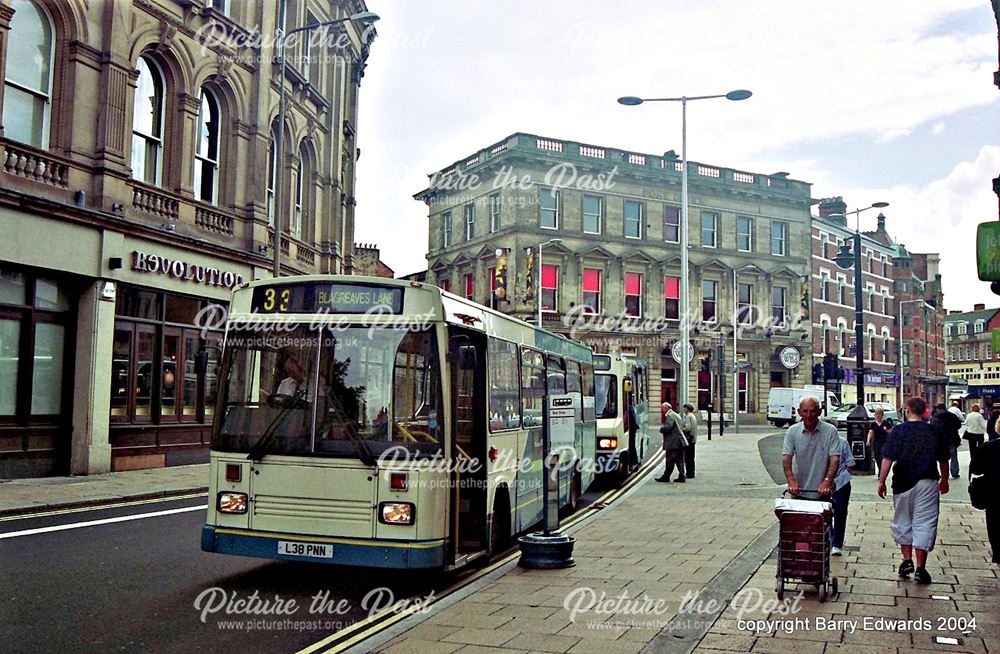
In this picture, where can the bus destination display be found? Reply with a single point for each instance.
(324, 297)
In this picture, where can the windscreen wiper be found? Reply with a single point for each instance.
(256, 452)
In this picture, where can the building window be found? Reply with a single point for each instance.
(147, 123)
(824, 281)
(591, 290)
(633, 294)
(311, 63)
(272, 172)
(672, 224)
(27, 98)
(709, 229)
(548, 207)
(978, 327)
(592, 214)
(446, 229)
(154, 378)
(905, 355)
(671, 297)
(206, 154)
(470, 221)
(469, 287)
(633, 219)
(446, 285)
(779, 234)
(947, 329)
(221, 6)
(963, 328)
(744, 303)
(550, 286)
(778, 305)
(709, 296)
(744, 234)
(494, 213)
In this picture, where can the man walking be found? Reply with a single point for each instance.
(690, 432)
(674, 443)
(949, 422)
(918, 455)
(814, 448)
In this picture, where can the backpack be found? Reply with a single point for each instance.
(979, 493)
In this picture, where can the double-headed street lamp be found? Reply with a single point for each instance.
(551, 241)
(845, 258)
(741, 94)
(364, 18)
(899, 353)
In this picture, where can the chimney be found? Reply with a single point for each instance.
(833, 210)
(979, 307)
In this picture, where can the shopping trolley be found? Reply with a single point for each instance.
(804, 545)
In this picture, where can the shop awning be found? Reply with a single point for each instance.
(958, 396)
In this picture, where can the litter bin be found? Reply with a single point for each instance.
(857, 437)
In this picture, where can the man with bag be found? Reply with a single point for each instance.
(986, 462)
(674, 443)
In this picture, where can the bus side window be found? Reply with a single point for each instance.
(555, 369)
(587, 379)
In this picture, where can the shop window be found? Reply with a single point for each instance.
(10, 347)
(47, 373)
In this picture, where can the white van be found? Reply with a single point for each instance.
(783, 403)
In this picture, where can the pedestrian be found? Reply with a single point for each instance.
(991, 424)
(878, 431)
(815, 450)
(975, 429)
(917, 454)
(633, 429)
(841, 496)
(986, 461)
(949, 423)
(673, 443)
(691, 434)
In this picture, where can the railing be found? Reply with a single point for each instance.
(34, 166)
(305, 254)
(498, 149)
(637, 159)
(153, 202)
(550, 145)
(744, 178)
(213, 221)
(592, 152)
(708, 171)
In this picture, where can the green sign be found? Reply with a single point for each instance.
(996, 340)
(988, 251)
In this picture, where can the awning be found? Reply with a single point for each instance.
(958, 396)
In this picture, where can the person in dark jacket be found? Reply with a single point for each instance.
(948, 423)
(674, 443)
(986, 461)
(991, 423)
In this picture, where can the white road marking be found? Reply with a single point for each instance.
(105, 521)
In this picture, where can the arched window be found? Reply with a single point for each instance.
(147, 123)
(206, 154)
(28, 81)
(272, 177)
(295, 229)
(304, 195)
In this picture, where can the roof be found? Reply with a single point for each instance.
(970, 316)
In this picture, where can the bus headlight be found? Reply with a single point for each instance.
(232, 503)
(396, 513)
(607, 443)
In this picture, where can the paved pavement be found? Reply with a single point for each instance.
(678, 568)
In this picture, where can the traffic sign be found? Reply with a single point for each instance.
(988, 251)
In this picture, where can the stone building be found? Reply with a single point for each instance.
(137, 186)
(833, 308)
(609, 271)
(972, 367)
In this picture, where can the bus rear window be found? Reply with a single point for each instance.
(606, 396)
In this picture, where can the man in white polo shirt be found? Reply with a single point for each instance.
(815, 449)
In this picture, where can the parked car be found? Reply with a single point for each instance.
(839, 415)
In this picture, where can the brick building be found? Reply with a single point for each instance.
(367, 261)
(137, 185)
(611, 266)
(971, 363)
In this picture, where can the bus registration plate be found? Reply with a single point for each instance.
(316, 550)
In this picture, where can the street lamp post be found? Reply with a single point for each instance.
(845, 258)
(551, 241)
(899, 353)
(364, 17)
(630, 100)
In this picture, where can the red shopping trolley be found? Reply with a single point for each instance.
(804, 545)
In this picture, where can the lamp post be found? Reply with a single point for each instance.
(364, 17)
(899, 354)
(630, 101)
(844, 259)
(551, 241)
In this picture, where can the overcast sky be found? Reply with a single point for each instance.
(874, 100)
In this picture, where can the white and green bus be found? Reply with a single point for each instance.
(385, 423)
(620, 382)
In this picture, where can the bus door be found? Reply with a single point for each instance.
(468, 443)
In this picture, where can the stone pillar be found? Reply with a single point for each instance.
(91, 449)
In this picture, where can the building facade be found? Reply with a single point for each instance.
(368, 261)
(918, 288)
(137, 188)
(834, 308)
(972, 367)
(608, 272)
